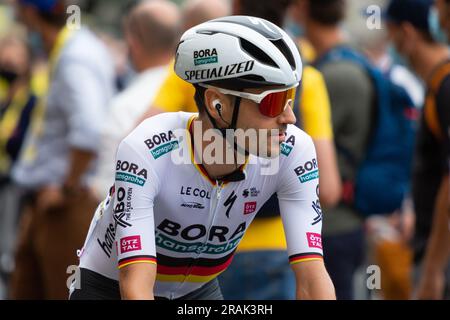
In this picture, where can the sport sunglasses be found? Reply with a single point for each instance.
(271, 102)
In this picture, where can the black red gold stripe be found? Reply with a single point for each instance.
(191, 270)
(136, 259)
(307, 256)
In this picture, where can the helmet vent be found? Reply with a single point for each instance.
(257, 53)
(207, 32)
(281, 45)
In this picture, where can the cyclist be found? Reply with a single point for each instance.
(166, 230)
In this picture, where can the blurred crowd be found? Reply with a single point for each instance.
(74, 83)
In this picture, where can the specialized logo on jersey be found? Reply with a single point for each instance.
(285, 148)
(314, 240)
(132, 243)
(130, 172)
(229, 203)
(221, 72)
(307, 172)
(205, 56)
(249, 207)
(227, 240)
(154, 144)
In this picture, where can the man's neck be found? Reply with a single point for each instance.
(323, 38)
(427, 58)
(214, 170)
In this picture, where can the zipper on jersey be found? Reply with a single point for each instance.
(217, 189)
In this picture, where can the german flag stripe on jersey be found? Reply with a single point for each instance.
(201, 262)
(184, 278)
(307, 256)
(195, 270)
(136, 259)
(191, 270)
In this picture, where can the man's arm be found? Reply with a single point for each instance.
(316, 119)
(302, 221)
(330, 179)
(137, 281)
(52, 197)
(431, 284)
(313, 281)
(80, 161)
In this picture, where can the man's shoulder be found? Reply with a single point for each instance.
(159, 132)
(344, 70)
(75, 50)
(297, 141)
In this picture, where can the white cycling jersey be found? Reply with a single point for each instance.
(175, 216)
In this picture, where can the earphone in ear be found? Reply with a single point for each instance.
(217, 105)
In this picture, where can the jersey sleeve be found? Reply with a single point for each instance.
(135, 188)
(298, 190)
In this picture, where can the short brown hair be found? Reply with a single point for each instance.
(327, 12)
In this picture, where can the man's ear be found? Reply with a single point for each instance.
(410, 37)
(133, 44)
(212, 97)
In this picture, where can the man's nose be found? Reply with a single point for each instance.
(287, 116)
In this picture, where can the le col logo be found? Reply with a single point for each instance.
(196, 192)
(132, 243)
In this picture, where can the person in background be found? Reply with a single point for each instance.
(351, 92)
(388, 234)
(151, 42)
(174, 92)
(413, 37)
(58, 204)
(444, 14)
(19, 104)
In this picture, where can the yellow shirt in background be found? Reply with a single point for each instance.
(263, 234)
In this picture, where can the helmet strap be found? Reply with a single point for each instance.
(223, 131)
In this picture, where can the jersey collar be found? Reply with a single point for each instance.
(201, 168)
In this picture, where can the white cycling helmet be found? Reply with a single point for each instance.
(238, 52)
